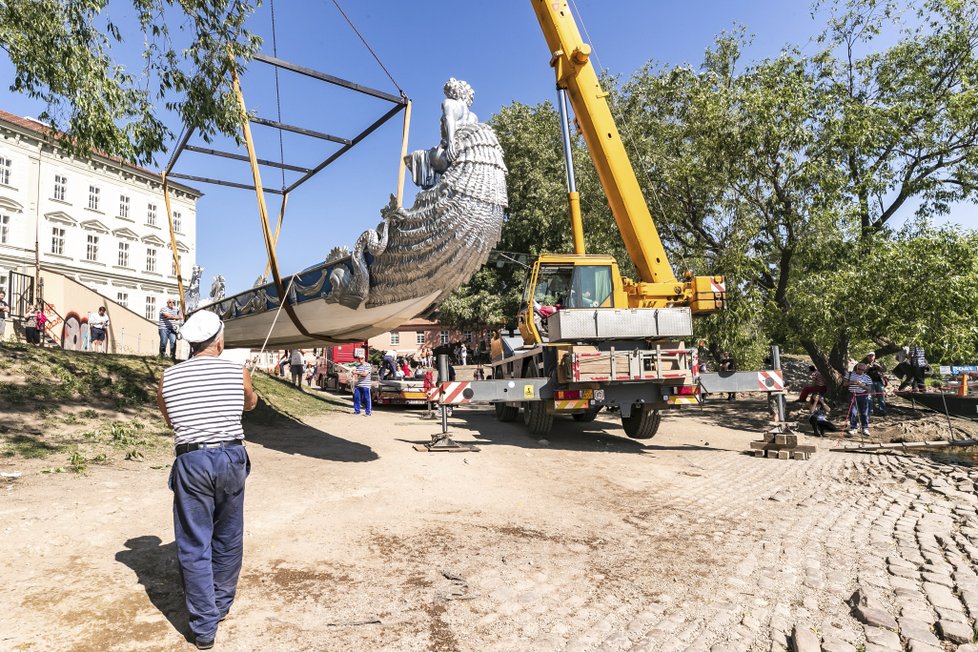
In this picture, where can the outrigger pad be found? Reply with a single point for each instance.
(444, 443)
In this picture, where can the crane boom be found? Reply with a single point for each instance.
(570, 58)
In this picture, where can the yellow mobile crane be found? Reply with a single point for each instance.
(589, 337)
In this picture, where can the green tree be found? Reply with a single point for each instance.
(62, 51)
(926, 295)
(479, 304)
(784, 174)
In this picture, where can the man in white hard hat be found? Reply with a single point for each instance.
(202, 400)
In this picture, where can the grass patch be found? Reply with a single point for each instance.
(128, 435)
(284, 397)
(121, 381)
(28, 447)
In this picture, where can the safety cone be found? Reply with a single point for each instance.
(963, 386)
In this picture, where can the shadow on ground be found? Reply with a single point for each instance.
(748, 414)
(156, 570)
(278, 431)
(567, 434)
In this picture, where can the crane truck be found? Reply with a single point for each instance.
(590, 339)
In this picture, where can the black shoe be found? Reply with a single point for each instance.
(204, 645)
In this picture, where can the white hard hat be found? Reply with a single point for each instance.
(202, 326)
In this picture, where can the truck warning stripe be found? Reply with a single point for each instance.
(449, 393)
(770, 381)
(571, 404)
(720, 287)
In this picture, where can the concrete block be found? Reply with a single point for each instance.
(786, 440)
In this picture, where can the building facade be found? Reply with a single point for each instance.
(95, 220)
(409, 337)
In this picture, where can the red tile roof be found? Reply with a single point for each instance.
(39, 127)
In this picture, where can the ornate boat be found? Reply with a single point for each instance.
(945, 402)
(402, 269)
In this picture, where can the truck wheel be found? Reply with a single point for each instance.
(585, 417)
(643, 424)
(506, 413)
(536, 417)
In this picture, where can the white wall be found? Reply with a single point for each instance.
(34, 211)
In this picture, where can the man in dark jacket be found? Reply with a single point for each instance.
(876, 371)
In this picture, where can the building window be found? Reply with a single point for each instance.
(6, 165)
(4, 228)
(173, 267)
(91, 248)
(150, 259)
(395, 338)
(93, 197)
(58, 241)
(151, 308)
(419, 337)
(60, 186)
(443, 336)
(124, 206)
(177, 223)
(151, 215)
(468, 336)
(122, 298)
(123, 254)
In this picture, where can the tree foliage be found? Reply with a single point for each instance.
(63, 52)
(786, 174)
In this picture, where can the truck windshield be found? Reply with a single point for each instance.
(553, 285)
(590, 287)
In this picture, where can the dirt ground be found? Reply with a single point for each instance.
(584, 541)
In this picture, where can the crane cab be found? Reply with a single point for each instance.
(567, 281)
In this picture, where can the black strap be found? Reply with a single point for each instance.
(188, 448)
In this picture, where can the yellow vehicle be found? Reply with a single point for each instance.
(604, 341)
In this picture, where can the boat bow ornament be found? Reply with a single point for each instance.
(410, 262)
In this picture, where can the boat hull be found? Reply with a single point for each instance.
(958, 406)
(331, 323)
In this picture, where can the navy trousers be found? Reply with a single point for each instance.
(859, 411)
(362, 395)
(208, 522)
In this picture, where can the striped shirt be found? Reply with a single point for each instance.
(204, 399)
(855, 379)
(917, 357)
(169, 317)
(364, 371)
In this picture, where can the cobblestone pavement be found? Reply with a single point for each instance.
(844, 552)
(587, 541)
(808, 535)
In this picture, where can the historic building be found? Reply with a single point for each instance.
(95, 220)
(412, 335)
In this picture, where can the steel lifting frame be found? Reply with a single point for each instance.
(400, 103)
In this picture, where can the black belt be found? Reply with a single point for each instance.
(187, 448)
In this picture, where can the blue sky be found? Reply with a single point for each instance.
(495, 45)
